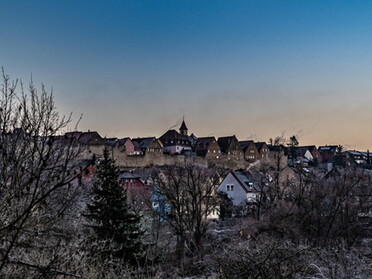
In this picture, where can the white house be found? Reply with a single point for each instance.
(239, 187)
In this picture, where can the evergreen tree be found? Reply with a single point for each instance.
(116, 226)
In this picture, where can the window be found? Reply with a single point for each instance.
(230, 187)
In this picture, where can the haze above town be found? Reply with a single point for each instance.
(256, 69)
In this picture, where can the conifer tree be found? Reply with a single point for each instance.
(116, 226)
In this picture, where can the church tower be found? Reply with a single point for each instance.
(183, 128)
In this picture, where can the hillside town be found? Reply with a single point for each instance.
(246, 168)
(226, 152)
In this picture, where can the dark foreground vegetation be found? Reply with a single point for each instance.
(57, 223)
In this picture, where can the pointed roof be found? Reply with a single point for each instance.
(123, 141)
(247, 183)
(245, 144)
(183, 126)
(137, 147)
(91, 138)
(144, 142)
(259, 145)
(172, 134)
(201, 145)
(225, 142)
(111, 141)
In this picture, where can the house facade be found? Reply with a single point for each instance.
(126, 145)
(328, 152)
(231, 148)
(175, 143)
(138, 193)
(92, 143)
(250, 150)
(208, 147)
(150, 145)
(239, 187)
(263, 150)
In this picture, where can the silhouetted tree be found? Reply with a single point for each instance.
(292, 149)
(339, 159)
(38, 170)
(116, 226)
(191, 193)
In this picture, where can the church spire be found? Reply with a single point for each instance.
(183, 128)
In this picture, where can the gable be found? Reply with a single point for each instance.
(229, 144)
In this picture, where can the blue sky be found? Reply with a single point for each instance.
(256, 69)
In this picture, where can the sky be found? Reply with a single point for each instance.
(256, 68)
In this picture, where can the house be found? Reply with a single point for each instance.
(126, 145)
(317, 157)
(208, 147)
(73, 136)
(231, 147)
(86, 138)
(91, 138)
(263, 150)
(137, 148)
(305, 155)
(91, 141)
(122, 148)
(128, 179)
(192, 138)
(150, 145)
(159, 204)
(250, 150)
(300, 156)
(176, 143)
(359, 158)
(138, 193)
(328, 153)
(239, 187)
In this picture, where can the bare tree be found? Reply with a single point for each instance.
(190, 192)
(37, 179)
